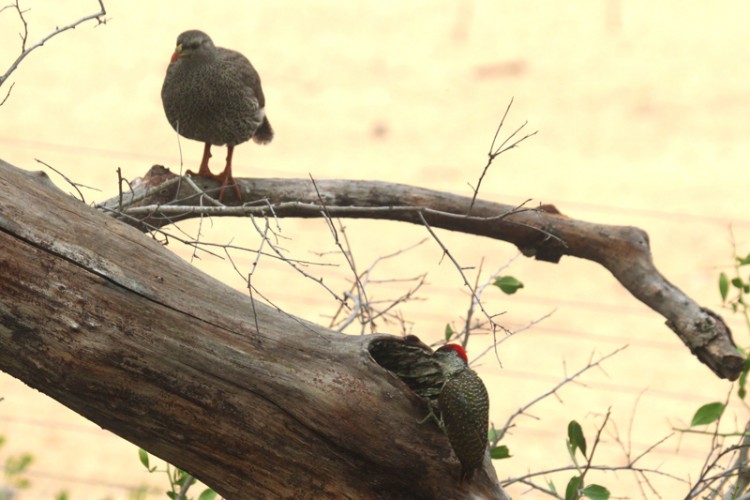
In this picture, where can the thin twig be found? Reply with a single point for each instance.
(605, 468)
(495, 152)
(345, 252)
(512, 333)
(7, 95)
(597, 439)
(472, 306)
(472, 303)
(447, 253)
(292, 264)
(74, 184)
(365, 280)
(743, 474)
(99, 16)
(556, 388)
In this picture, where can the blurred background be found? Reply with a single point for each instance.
(642, 112)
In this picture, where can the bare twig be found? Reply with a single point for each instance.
(741, 464)
(7, 94)
(167, 235)
(229, 246)
(292, 264)
(346, 252)
(513, 332)
(472, 307)
(253, 268)
(365, 278)
(597, 439)
(640, 473)
(67, 179)
(472, 303)
(494, 152)
(458, 267)
(605, 468)
(522, 410)
(99, 16)
(705, 481)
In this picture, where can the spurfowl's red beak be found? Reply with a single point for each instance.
(177, 53)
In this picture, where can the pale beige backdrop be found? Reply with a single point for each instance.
(642, 110)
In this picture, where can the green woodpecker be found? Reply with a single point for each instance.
(464, 407)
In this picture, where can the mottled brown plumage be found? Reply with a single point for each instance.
(213, 95)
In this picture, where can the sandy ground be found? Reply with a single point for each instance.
(642, 113)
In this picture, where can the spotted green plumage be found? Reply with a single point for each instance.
(464, 405)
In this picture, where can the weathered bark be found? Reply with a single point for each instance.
(543, 233)
(102, 318)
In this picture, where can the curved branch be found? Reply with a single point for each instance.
(543, 233)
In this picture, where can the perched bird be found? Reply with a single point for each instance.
(464, 408)
(213, 95)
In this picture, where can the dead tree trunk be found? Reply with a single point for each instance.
(255, 403)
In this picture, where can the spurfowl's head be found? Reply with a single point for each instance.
(193, 42)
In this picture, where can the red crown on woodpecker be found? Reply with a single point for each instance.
(457, 349)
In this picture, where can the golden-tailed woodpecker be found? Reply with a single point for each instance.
(464, 408)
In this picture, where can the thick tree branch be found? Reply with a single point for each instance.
(255, 403)
(543, 233)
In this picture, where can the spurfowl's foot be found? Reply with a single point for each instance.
(226, 178)
(202, 172)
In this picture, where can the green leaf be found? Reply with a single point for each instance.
(2, 440)
(16, 465)
(707, 414)
(172, 495)
(499, 452)
(63, 495)
(723, 286)
(448, 332)
(596, 492)
(745, 261)
(737, 283)
(571, 491)
(182, 477)
(143, 456)
(508, 284)
(575, 437)
(208, 494)
(493, 435)
(552, 488)
(742, 382)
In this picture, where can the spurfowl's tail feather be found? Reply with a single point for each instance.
(264, 134)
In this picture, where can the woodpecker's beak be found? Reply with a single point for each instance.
(177, 53)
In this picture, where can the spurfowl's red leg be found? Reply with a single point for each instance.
(226, 176)
(203, 171)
